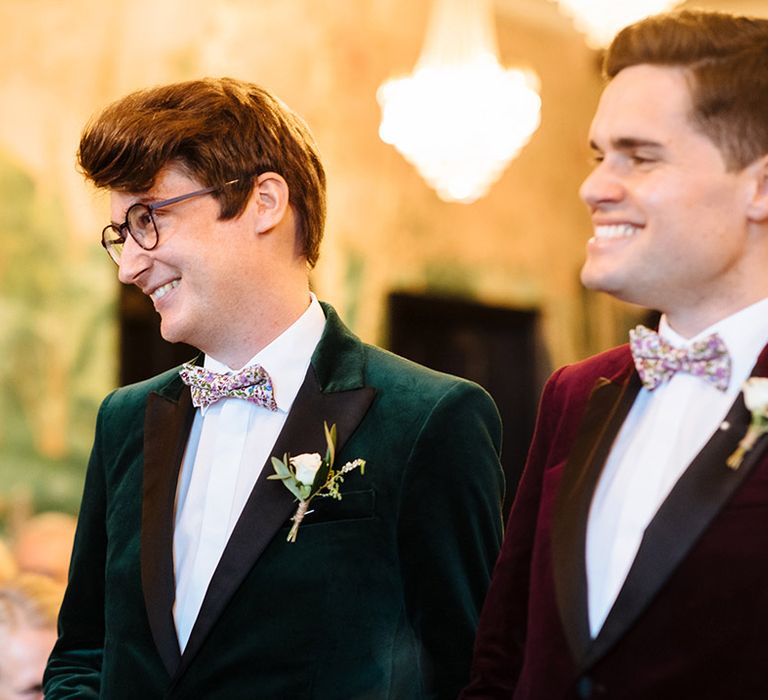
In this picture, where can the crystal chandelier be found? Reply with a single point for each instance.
(460, 117)
(601, 20)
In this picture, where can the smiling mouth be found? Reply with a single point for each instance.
(160, 292)
(616, 231)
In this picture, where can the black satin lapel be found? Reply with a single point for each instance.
(270, 504)
(166, 428)
(606, 410)
(689, 508)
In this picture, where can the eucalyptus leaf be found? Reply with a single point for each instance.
(281, 468)
(284, 473)
(330, 438)
(293, 487)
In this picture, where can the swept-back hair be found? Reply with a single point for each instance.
(217, 130)
(726, 61)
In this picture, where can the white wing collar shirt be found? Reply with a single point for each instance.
(229, 443)
(665, 429)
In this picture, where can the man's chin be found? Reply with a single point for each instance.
(618, 292)
(597, 279)
(593, 281)
(170, 333)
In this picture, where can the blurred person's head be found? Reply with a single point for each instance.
(8, 566)
(29, 606)
(43, 544)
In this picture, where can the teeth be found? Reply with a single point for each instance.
(160, 292)
(616, 231)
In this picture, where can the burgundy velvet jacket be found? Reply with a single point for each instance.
(691, 621)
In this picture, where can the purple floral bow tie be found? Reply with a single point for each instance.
(657, 360)
(251, 383)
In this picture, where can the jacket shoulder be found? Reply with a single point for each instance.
(609, 363)
(414, 392)
(134, 396)
(576, 381)
(384, 368)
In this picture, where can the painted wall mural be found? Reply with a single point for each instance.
(56, 328)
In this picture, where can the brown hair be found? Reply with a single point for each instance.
(218, 130)
(726, 58)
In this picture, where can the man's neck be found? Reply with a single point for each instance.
(248, 340)
(688, 323)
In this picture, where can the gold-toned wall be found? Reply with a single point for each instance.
(60, 62)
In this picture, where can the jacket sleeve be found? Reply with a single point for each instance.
(74, 667)
(498, 655)
(450, 529)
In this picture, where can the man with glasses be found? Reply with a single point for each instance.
(196, 575)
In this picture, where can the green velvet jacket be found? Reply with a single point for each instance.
(377, 599)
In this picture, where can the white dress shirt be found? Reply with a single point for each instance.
(229, 443)
(664, 431)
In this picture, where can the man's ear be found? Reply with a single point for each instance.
(270, 192)
(757, 207)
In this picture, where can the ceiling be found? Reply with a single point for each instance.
(544, 13)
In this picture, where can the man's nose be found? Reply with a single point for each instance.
(134, 261)
(601, 186)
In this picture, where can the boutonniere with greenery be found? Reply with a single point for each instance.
(755, 391)
(309, 475)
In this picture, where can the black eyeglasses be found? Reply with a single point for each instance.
(143, 222)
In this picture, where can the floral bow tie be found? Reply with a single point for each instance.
(657, 360)
(251, 383)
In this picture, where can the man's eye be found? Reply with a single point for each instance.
(143, 219)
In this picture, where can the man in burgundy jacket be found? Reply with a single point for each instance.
(635, 563)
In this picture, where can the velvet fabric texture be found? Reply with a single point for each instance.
(690, 619)
(378, 598)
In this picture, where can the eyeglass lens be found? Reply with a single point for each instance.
(139, 223)
(113, 246)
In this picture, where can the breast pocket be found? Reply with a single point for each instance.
(354, 505)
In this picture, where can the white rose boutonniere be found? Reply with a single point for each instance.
(305, 467)
(756, 399)
(308, 475)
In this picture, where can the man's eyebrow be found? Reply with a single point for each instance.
(628, 143)
(144, 198)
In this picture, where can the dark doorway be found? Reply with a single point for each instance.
(143, 352)
(493, 346)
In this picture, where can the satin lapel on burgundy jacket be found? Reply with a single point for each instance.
(608, 405)
(333, 391)
(690, 507)
(688, 510)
